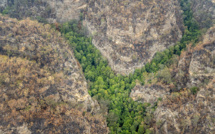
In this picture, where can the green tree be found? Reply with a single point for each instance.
(141, 129)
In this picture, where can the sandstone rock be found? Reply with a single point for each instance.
(66, 10)
(185, 110)
(198, 64)
(148, 93)
(186, 113)
(129, 33)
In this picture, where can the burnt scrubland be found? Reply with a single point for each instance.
(42, 89)
(173, 93)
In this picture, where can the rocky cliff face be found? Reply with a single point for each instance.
(197, 64)
(149, 93)
(129, 33)
(42, 89)
(45, 10)
(204, 12)
(184, 112)
(190, 108)
(67, 10)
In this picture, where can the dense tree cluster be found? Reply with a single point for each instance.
(124, 115)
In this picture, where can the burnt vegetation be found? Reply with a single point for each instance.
(112, 91)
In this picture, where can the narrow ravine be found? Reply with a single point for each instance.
(125, 116)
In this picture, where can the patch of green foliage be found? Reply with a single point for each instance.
(6, 10)
(194, 90)
(125, 115)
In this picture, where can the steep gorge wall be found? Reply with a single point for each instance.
(48, 10)
(204, 12)
(184, 112)
(42, 88)
(129, 33)
(199, 65)
(190, 108)
(187, 112)
(67, 10)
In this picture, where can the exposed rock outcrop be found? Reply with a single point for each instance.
(191, 111)
(42, 88)
(184, 112)
(190, 107)
(197, 65)
(149, 93)
(66, 10)
(45, 10)
(204, 12)
(129, 33)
